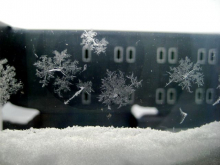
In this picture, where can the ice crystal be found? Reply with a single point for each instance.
(218, 100)
(183, 116)
(109, 116)
(65, 68)
(62, 85)
(47, 66)
(218, 87)
(87, 87)
(115, 90)
(89, 40)
(8, 82)
(186, 74)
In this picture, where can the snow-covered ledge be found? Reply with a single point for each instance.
(110, 146)
(16, 114)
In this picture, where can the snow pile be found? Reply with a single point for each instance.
(108, 145)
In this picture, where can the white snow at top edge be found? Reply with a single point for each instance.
(186, 16)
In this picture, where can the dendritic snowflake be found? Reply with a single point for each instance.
(89, 40)
(8, 82)
(115, 90)
(67, 70)
(186, 74)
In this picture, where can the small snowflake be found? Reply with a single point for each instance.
(218, 87)
(109, 116)
(87, 87)
(183, 116)
(115, 90)
(62, 85)
(186, 74)
(89, 40)
(218, 100)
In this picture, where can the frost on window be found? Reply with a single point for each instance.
(186, 74)
(218, 100)
(89, 40)
(62, 71)
(8, 82)
(115, 90)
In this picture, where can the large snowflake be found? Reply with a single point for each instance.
(89, 40)
(8, 82)
(186, 74)
(67, 72)
(115, 90)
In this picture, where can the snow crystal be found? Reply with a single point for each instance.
(218, 100)
(108, 145)
(183, 116)
(186, 74)
(87, 87)
(109, 116)
(8, 82)
(115, 90)
(89, 40)
(47, 66)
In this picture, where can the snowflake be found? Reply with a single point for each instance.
(8, 84)
(109, 116)
(67, 70)
(218, 87)
(62, 85)
(87, 87)
(47, 66)
(115, 90)
(89, 40)
(186, 74)
(218, 100)
(183, 116)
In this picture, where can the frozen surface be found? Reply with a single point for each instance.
(108, 145)
(18, 115)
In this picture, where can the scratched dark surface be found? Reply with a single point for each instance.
(20, 46)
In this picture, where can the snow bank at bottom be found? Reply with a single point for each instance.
(108, 145)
